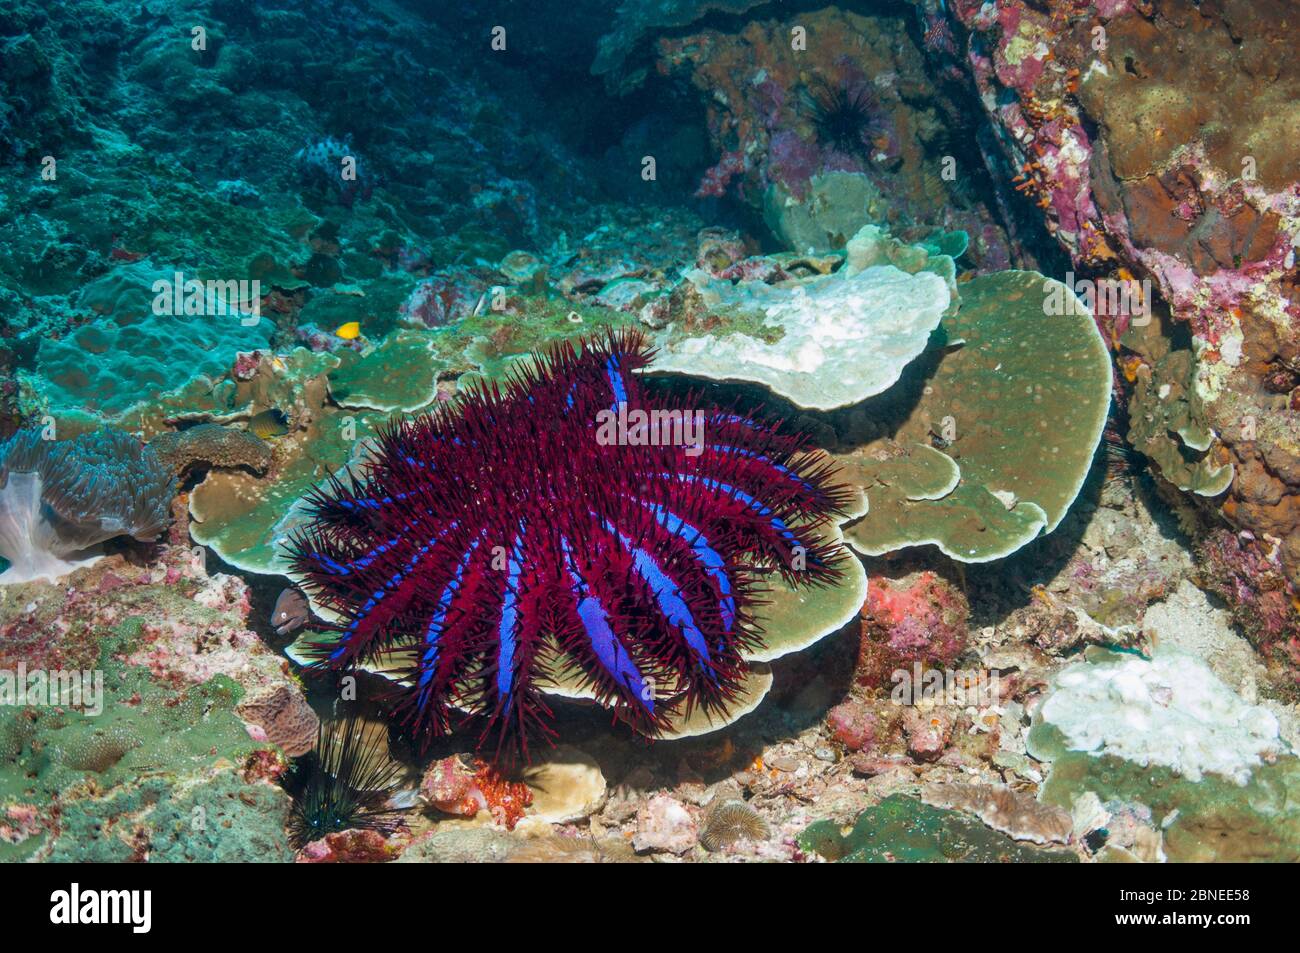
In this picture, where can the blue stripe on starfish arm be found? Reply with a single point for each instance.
(762, 509)
(354, 627)
(371, 502)
(754, 455)
(616, 382)
(669, 597)
(432, 634)
(609, 651)
(361, 562)
(705, 553)
(508, 627)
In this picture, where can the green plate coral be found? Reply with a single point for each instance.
(904, 829)
(1018, 404)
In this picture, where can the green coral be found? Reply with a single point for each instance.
(793, 619)
(836, 205)
(1211, 820)
(953, 244)
(114, 774)
(131, 357)
(904, 829)
(373, 303)
(246, 518)
(1018, 403)
(1164, 732)
(222, 821)
(1167, 425)
(490, 342)
(400, 375)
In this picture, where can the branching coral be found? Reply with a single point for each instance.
(60, 498)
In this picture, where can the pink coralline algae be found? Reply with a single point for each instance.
(717, 179)
(853, 725)
(19, 822)
(464, 786)
(920, 617)
(349, 847)
(1254, 586)
(928, 732)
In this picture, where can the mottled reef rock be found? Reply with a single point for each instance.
(1158, 139)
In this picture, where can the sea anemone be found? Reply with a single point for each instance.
(345, 784)
(845, 115)
(60, 498)
(566, 525)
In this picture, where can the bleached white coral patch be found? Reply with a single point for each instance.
(825, 342)
(1169, 710)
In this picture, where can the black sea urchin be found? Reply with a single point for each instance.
(845, 115)
(344, 784)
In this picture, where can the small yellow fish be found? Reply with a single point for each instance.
(269, 423)
(349, 331)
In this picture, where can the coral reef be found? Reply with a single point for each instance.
(154, 762)
(824, 341)
(944, 248)
(1002, 438)
(766, 85)
(131, 355)
(1169, 710)
(1155, 151)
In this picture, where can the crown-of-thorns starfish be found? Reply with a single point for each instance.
(566, 520)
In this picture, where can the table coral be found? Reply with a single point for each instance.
(667, 526)
(1002, 437)
(823, 341)
(1152, 137)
